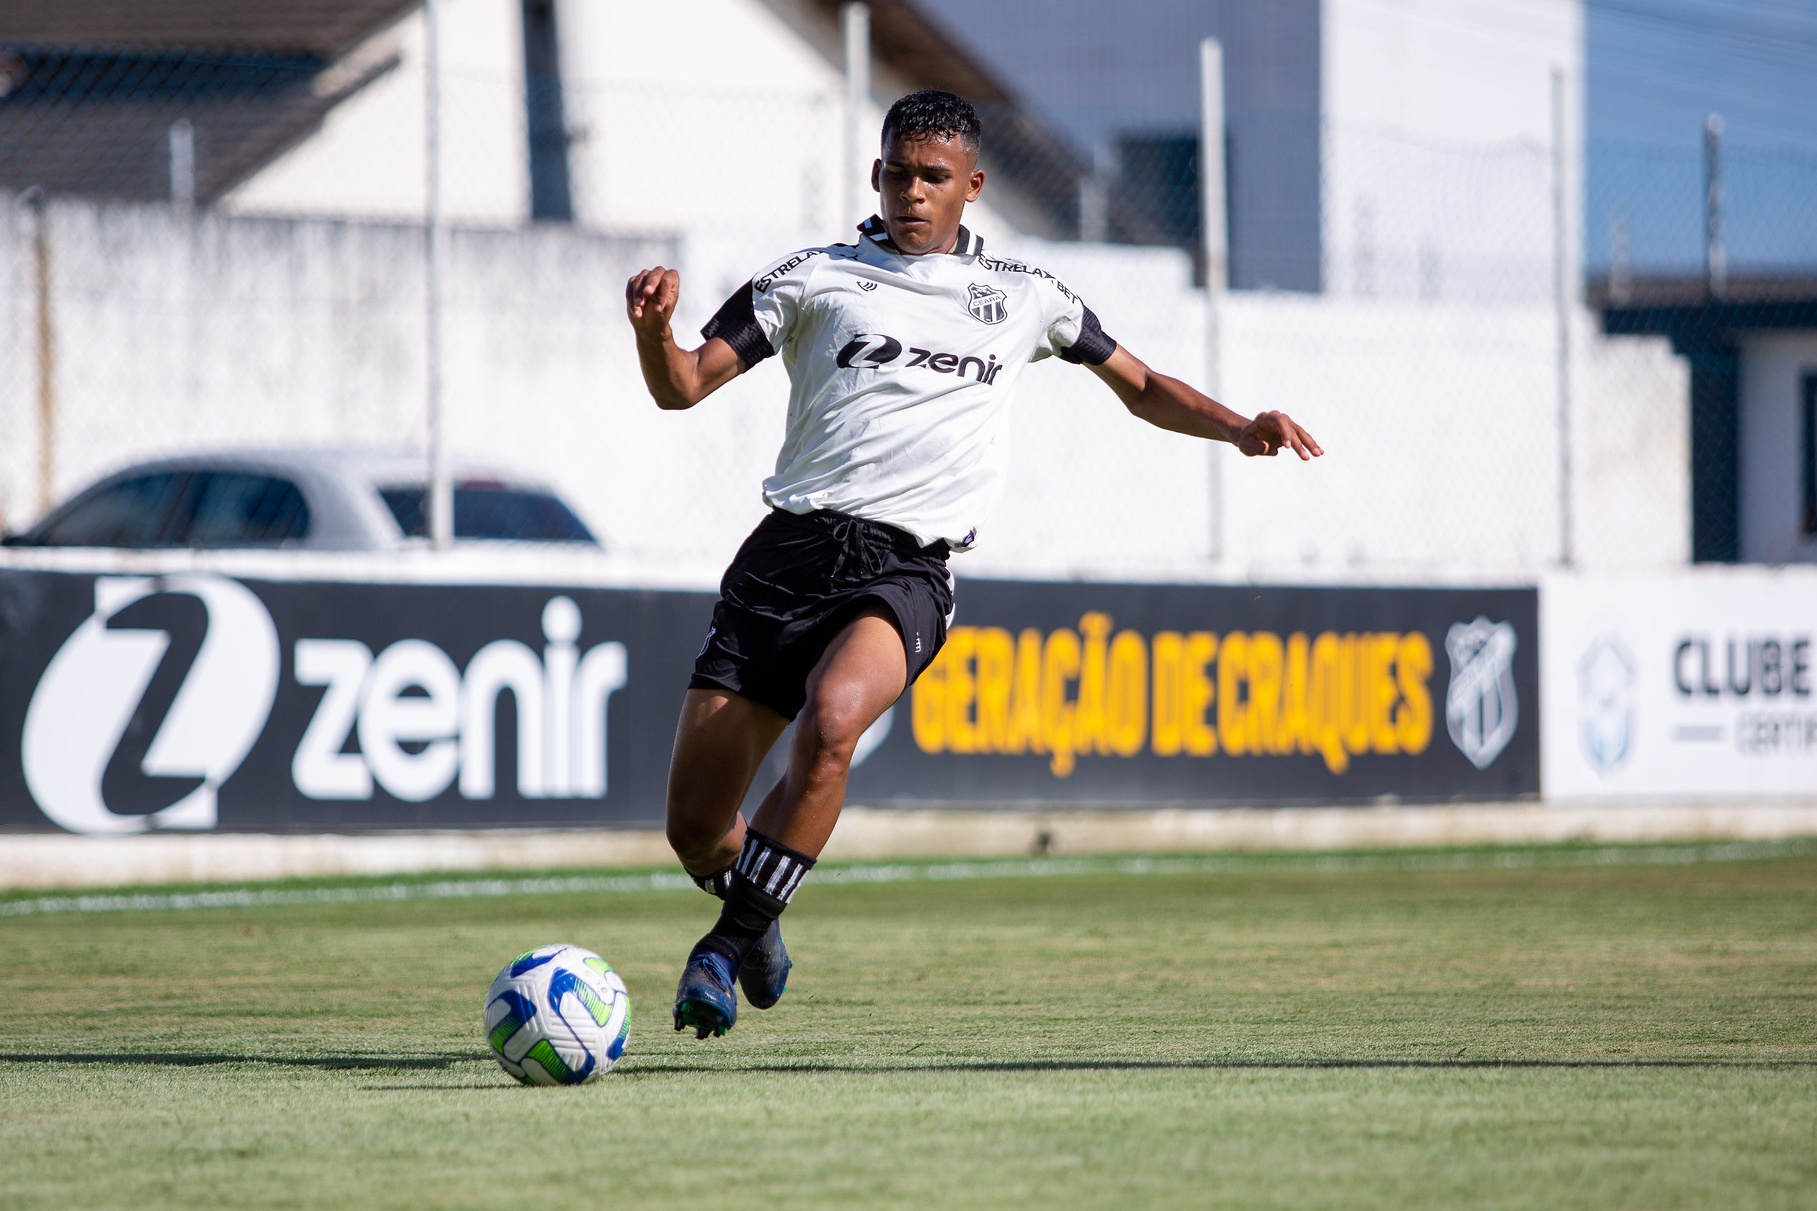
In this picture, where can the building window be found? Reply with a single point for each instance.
(1807, 450)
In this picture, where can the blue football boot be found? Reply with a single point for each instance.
(765, 974)
(705, 998)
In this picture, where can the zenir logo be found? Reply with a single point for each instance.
(868, 351)
(872, 351)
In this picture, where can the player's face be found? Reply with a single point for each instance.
(922, 187)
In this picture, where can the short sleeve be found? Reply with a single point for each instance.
(757, 320)
(1073, 332)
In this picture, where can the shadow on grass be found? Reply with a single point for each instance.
(634, 1067)
(199, 1059)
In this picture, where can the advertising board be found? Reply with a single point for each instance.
(199, 701)
(134, 703)
(1702, 685)
(1105, 693)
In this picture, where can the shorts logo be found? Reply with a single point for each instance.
(986, 303)
(867, 286)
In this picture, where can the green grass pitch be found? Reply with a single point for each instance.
(1449, 1031)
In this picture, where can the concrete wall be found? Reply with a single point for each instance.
(1439, 419)
(664, 104)
(1773, 369)
(367, 159)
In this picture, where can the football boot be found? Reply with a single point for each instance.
(765, 974)
(705, 998)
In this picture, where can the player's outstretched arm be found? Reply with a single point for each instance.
(1171, 404)
(676, 377)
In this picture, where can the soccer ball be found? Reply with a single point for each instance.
(557, 1015)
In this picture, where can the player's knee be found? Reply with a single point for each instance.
(689, 837)
(831, 722)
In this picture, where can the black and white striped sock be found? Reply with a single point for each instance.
(764, 879)
(717, 884)
(771, 866)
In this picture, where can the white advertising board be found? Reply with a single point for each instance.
(1701, 685)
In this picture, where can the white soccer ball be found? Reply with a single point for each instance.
(557, 1015)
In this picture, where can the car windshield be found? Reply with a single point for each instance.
(182, 509)
(491, 511)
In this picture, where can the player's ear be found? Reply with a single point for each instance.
(877, 176)
(975, 186)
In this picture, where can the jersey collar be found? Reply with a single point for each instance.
(873, 229)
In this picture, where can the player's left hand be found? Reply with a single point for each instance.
(1270, 431)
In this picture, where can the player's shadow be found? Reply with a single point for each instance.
(200, 1059)
(634, 1067)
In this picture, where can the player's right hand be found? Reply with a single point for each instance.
(650, 298)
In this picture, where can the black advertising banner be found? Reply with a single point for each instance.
(199, 701)
(1110, 694)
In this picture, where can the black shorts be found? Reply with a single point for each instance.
(796, 581)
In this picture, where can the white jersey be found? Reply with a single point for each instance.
(901, 371)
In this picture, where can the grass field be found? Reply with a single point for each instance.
(1474, 1029)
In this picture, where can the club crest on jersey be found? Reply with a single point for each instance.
(986, 303)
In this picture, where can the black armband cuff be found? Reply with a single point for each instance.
(1094, 346)
(736, 324)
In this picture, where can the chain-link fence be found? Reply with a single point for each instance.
(214, 250)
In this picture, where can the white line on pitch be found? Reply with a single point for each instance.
(1013, 868)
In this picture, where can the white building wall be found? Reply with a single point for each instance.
(176, 335)
(1435, 392)
(1438, 146)
(367, 160)
(1772, 438)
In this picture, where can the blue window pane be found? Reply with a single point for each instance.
(484, 511)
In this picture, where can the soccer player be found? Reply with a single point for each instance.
(903, 349)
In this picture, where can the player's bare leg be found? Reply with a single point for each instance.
(861, 673)
(720, 743)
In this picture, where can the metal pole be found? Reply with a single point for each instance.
(1561, 303)
(47, 352)
(1715, 257)
(855, 25)
(183, 164)
(441, 492)
(1213, 218)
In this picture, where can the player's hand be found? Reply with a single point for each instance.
(650, 299)
(1269, 431)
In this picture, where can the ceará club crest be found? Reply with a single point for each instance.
(986, 303)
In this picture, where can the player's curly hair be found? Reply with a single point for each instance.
(933, 113)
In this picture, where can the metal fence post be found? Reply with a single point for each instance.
(855, 26)
(183, 164)
(1213, 218)
(1715, 256)
(1561, 302)
(440, 502)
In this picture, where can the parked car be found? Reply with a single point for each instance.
(310, 500)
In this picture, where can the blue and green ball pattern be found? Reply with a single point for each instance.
(557, 1015)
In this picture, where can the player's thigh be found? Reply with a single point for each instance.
(720, 743)
(860, 675)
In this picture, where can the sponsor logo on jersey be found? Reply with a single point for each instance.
(986, 303)
(1003, 266)
(874, 351)
(783, 270)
